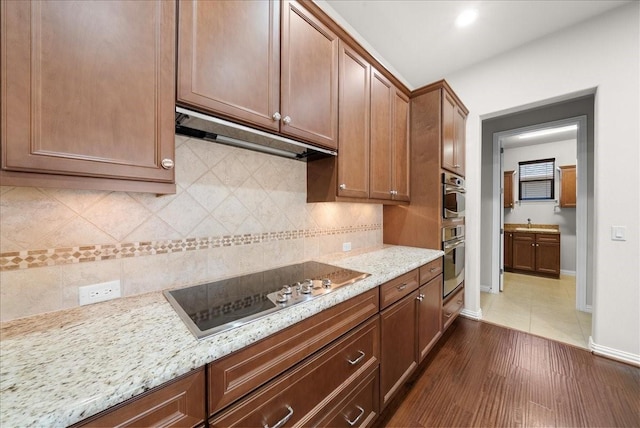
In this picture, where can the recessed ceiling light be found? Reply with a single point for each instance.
(548, 131)
(466, 17)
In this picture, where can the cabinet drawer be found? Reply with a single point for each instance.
(358, 409)
(451, 308)
(241, 372)
(302, 393)
(178, 403)
(430, 270)
(396, 289)
(547, 237)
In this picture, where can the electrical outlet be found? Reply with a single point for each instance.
(346, 246)
(99, 292)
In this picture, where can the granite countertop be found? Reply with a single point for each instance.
(534, 228)
(59, 368)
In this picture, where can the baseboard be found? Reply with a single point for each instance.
(567, 272)
(614, 354)
(474, 315)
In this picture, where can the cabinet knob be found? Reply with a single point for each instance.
(286, 120)
(393, 192)
(167, 163)
(276, 116)
(343, 186)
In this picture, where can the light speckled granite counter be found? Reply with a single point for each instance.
(551, 229)
(60, 368)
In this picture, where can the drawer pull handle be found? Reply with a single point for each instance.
(357, 360)
(448, 315)
(355, 421)
(283, 420)
(402, 286)
(433, 269)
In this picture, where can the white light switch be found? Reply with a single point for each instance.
(618, 233)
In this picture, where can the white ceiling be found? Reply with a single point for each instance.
(418, 41)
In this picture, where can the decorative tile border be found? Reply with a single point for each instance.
(91, 253)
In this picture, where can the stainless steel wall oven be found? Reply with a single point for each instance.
(453, 247)
(453, 196)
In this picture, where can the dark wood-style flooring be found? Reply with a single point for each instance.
(483, 375)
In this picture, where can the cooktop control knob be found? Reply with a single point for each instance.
(326, 283)
(281, 298)
(306, 288)
(286, 289)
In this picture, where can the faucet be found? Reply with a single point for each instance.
(529, 223)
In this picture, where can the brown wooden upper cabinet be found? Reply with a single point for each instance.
(568, 186)
(88, 91)
(389, 175)
(508, 199)
(234, 60)
(453, 134)
(373, 149)
(355, 101)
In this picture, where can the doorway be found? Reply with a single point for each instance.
(576, 112)
(564, 141)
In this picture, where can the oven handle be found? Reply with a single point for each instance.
(450, 245)
(453, 189)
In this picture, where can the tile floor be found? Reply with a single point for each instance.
(542, 306)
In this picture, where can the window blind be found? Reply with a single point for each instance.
(536, 179)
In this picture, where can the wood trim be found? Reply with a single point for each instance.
(13, 178)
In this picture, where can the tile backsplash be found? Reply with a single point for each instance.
(234, 211)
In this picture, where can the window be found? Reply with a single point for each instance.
(536, 180)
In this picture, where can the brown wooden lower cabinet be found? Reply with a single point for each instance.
(235, 375)
(398, 340)
(508, 251)
(337, 368)
(429, 316)
(451, 308)
(359, 408)
(179, 403)
(535, 253)
(303, 395)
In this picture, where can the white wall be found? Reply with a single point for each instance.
(546, 212)
(602, 53)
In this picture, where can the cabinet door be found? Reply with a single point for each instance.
(88, 88)
(508, 189)
(508, 250)
(448, 137)
(353, 144)
(401, 161)
(568, 186)
(548, 254)
(524, 254)
(398, 345)
(459, 137)
(429, 316)
(229, 59)
(309, 92)
(453, 135)
(382, 100)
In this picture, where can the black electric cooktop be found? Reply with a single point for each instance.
(222, 305)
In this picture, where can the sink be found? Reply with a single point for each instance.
(535, 229)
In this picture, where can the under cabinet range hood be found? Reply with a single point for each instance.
(199, 125)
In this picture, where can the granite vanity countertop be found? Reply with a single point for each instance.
(534, 228)
(59, 368)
